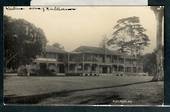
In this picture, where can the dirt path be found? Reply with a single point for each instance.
(140, 94)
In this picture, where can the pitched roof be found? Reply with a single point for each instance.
(53, 49)
(94, 50)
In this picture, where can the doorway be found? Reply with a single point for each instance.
(61, 68)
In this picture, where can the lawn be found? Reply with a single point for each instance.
(22, 86)
(94, 89)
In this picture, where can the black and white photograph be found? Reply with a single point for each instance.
(83, 55)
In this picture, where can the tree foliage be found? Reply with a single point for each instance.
(158, 9)
(129, 36)
(103, 43)
(149, 63)
(57, 45)
(23, 41)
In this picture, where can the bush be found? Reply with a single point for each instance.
(22, 71)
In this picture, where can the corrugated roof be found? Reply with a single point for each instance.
(53, 49)
(94, 50)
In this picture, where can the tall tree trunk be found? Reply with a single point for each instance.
(159, 75)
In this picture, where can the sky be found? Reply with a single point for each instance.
(89, 2)
(86, 25)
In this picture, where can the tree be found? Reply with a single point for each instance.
(103, 45)
(149, 63)
(159, 13)
(59, 46)
(23, 42)
(129, 36)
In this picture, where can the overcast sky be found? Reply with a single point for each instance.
(86, 25)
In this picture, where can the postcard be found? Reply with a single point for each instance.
(84, 55)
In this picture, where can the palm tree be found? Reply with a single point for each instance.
(159, 13)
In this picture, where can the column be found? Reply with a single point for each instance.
(124, 65)
(37, 65)
(83, 63)
(107, 69)
(131, 65)
(90, 67)
(112, 69)
(47, 65)
(56, 70)
(117, 63)
(68, 65)
(98, 71)
(75, 68)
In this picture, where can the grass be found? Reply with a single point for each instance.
(86, 90)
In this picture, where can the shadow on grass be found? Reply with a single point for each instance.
(34, 99)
